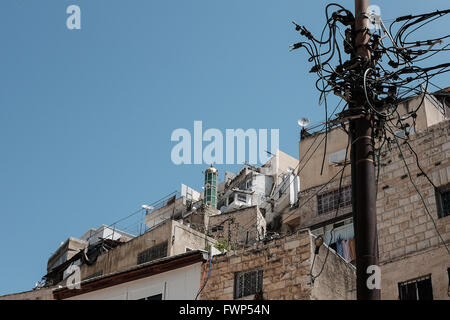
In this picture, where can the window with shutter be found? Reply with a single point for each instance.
(416, 289)
(153, 253)
(248, 283)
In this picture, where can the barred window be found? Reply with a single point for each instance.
(155, 252)
(443, 201)
(247, 283)
(416, 289)
(329, 201)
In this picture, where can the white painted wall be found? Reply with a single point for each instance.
(179, 284)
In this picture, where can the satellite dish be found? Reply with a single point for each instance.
(303, 122)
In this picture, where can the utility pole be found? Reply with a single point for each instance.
(384, 87)
(362, 164)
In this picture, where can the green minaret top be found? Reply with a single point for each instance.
(211, 175)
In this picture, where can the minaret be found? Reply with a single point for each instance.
(211, 175)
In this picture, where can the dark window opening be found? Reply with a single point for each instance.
(443, 201)
(328, 202)
(217, 228)
(448, 290)
(242, 197)
(248, 283)
(417, 289)
(155, 297)
(155, 252)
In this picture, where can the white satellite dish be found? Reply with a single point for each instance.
(303, 122)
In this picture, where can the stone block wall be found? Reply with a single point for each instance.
(404, 226)
(244, 226)
(286, 264)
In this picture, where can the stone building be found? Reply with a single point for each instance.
(167, 239)
(413, 259)
(412, 235)
(272, 187)
(90, 245)
(238, 228)
(280, 269)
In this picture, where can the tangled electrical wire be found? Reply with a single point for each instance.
(376, 84)
(392, 73)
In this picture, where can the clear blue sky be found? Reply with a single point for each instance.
(86, 115)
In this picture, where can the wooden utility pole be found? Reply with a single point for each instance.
(362, 164)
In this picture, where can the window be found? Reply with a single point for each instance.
(443, 201)
(448, 290)
(417, 289)
(155, 252)
(329, 201)
(242, 197)
(231, 199)
(217, 228)
(155, 297)
(248, 283)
